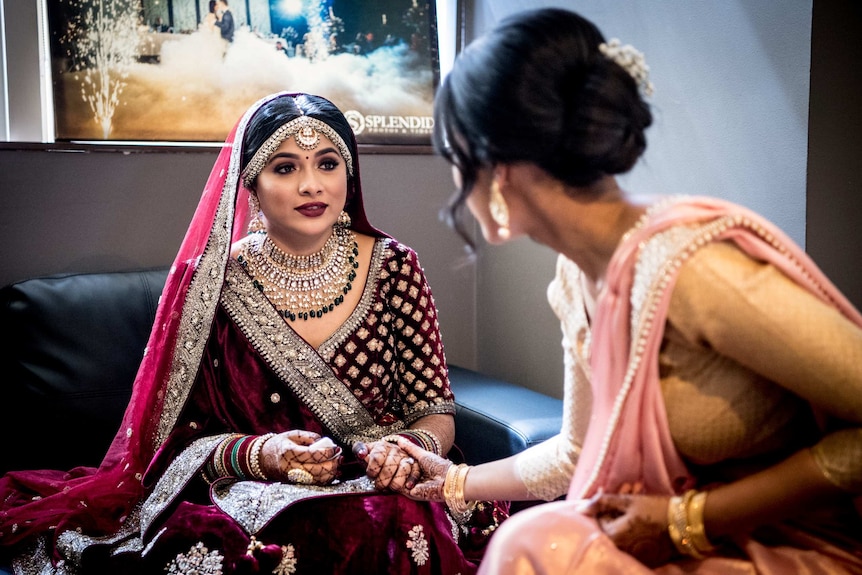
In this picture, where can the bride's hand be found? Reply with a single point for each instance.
(389, 466)
(429, 483)
(299, 456)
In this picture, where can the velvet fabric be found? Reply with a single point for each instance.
(89, 520)
(329, 534)
(628, 440)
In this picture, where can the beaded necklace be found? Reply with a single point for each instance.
(303, 287)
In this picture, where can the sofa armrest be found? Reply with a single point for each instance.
(495, 419)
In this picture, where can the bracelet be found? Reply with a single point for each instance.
(695, 520)
(430, 441)
(453, 493)
(215, 466)
(223, 468)
(254, 457)
(239, 456)
(685, 524)
(421, 437)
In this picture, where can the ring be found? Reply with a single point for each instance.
(409, 460)
(298, 475)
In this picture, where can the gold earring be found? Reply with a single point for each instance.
(343, 220)
(255, 224)
(499, 210)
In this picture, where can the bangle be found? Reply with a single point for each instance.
(223, 454)
(685, 524)
(430, 441)
(421, 437)
(254, 457)
(239, 456)
(453, 493)
(695, 521)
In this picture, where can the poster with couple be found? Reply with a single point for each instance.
(185, 70)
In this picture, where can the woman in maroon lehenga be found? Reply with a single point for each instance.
(273, 353)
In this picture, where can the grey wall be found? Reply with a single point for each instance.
(732, 120)
(64, 211)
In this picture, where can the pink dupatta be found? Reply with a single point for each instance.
(628, 439)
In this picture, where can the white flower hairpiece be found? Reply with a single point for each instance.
(631, 60)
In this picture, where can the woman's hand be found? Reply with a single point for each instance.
(305, 451)
(428, 485)
(637, 524)
(388, 465)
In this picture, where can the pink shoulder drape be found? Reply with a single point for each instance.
(628, 439)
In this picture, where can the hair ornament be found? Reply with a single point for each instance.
(307, 138)
(306, 131)
(631, 60)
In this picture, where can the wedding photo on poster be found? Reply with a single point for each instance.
(186, 70)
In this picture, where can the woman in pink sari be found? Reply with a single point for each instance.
(713, 392)
(289, 330)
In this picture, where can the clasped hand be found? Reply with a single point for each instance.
(405, 468)
(298, 449)
(390, 466)
(636, 523)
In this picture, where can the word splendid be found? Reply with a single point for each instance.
(373, 123)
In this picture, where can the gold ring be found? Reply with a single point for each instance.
(298, 475)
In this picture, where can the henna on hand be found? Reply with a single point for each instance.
(428, 485)
(637, 524)
(298, 449)
(648, 543)
(389, 466)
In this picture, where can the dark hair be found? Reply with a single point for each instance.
(537, 89)
(282, 109)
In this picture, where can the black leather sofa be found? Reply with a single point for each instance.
(72, 343)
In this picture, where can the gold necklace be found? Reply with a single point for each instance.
(303, 287)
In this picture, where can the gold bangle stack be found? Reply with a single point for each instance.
(685, 524)
(421, 437)
(453, 493)
(221, 469)
(430, 442)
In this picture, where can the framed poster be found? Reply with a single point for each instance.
(185, 70)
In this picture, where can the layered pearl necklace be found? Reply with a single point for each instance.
(303, 287)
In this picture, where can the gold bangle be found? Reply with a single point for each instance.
(449, 483)
(699, 540)
(453, 493)
(678, 526)
(466, 506)
(672, 529)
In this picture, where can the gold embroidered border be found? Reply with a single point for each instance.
(299, 365)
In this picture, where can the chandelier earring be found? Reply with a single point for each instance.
(255, 224)
(499, 210)
(343, 220)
